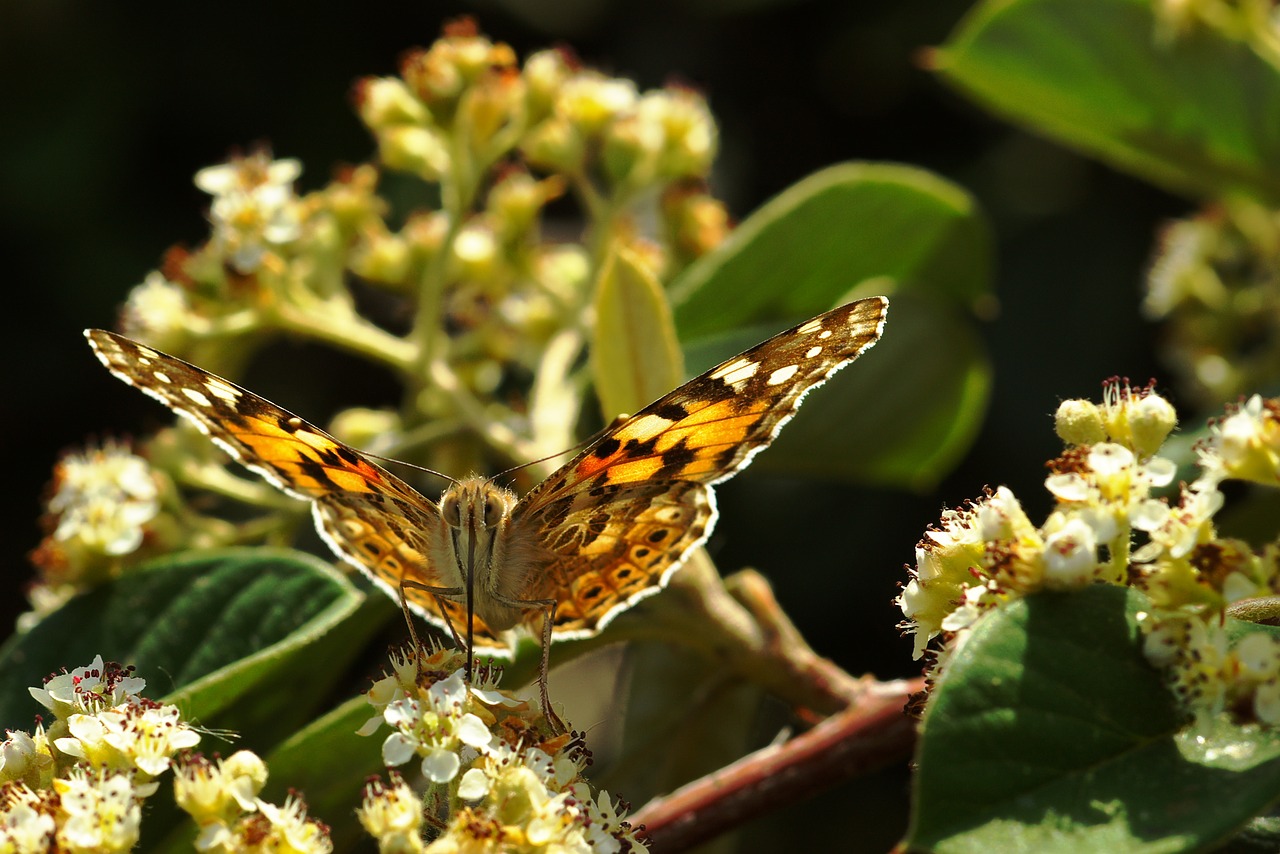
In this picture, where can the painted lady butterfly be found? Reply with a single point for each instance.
(605, 530)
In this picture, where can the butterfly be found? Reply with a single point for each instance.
(604, 531)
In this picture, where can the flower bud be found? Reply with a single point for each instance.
(544, 73)
(687, 129)
(381, 257)
(515, 201)
(387, 101)
(1079, 422)
(1151, 420)
(414, 149)
(555, 145)
(590, 101)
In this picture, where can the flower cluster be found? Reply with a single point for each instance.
(101, 506)
(108, 509)
(221, 796)
(506, 786)
(1112, 525)
(79, 785)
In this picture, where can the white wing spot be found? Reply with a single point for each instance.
(824, 334)
(812, 351)
(647, 427)
(221, 390)
(197, 397)
(783, 374)
(739, 372)
(161, 376)
(811, 326)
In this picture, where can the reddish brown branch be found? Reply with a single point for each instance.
(866, 736)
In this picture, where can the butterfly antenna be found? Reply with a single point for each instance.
(584, 443)
(414, 466)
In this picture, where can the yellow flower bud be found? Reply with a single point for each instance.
(413, 149)
(591, 101)
(544, 73)
(1151, 420)
(1079, 422)
(387, 101)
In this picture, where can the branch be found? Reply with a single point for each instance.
(863, 737)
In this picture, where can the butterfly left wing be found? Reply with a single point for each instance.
(611, 526)
(370, 517)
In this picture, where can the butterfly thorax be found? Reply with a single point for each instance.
(477, 517)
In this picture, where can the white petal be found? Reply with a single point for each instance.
(398, 749)
(472, 731)
(440, 765)
(474, 785)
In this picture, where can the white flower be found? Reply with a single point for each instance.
(1070, 555)
(287, 828)
(392, 814)
(100, 812)
(1176, 531)
(88, 689)
(254, 207)
(436, 727)
(148, 736)
(104, 499)
(25, 824)
(158, 312)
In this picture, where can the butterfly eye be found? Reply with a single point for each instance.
(492, 511)
(449, 510)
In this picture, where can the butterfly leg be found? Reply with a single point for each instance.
(544, 667)
(441, 594)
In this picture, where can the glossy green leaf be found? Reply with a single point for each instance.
(634, 352)
(1050, 732)
(1197, 113)
(849, 231)
(202, 628)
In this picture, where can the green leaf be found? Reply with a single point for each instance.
(1198, 113)
(634, 352)
(820, 242)
(202, 627)
(898, 416)
(685, 718)
(1048, 732)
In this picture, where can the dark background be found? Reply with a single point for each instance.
(110, 108)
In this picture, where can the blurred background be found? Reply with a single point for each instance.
(111, 108)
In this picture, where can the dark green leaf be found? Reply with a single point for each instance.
(1198, 112)
(1050, 732)
(202, 627)
(822, 241)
